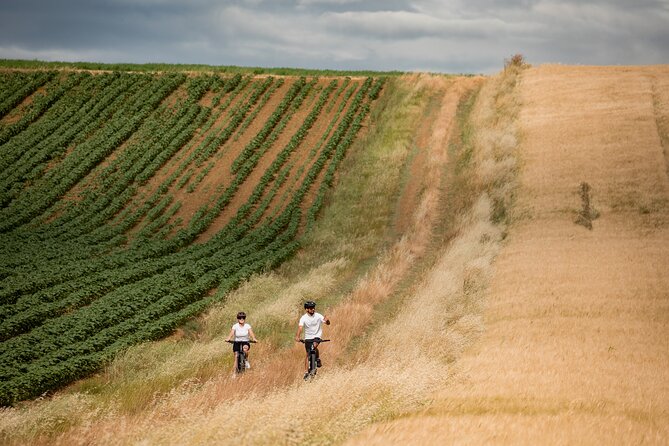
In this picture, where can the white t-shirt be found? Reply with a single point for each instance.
(241, 332)
(313, 325)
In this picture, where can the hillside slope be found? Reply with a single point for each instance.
(493, 259)
(399, 197)
(575, 349)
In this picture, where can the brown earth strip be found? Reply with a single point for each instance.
(266, 160)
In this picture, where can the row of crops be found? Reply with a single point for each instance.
(129, 202)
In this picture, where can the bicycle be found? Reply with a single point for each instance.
(313, 365)
(240, 366)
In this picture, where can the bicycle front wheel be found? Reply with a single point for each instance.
(241, 362)
(312, 364)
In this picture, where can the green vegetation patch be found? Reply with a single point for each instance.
(163, 67)
(93, 256)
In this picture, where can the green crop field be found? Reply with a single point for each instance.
(130, 201)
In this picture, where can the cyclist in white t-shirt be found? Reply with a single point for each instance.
(311, 323)
(241, 335)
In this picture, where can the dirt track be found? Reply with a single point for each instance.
(576, 344)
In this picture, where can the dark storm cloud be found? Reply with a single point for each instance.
(434, 35)
(90, 28)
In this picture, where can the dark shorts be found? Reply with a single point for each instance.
(308, 342)
(237, 345)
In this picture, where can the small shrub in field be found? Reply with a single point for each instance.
(588, 213)
(517, 60)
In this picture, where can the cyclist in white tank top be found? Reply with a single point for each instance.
(241, 334)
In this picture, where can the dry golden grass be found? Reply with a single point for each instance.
(575, 344)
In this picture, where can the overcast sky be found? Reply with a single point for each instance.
(452, 36)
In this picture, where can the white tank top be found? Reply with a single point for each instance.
(241, 332)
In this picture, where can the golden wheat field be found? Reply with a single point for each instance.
(574, 349)
(498, 275)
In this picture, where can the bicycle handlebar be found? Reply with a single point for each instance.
(232, 342)
(322, 340)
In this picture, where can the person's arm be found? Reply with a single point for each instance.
(253, 335)
(326, 320)
(231, 335)
(299, 332)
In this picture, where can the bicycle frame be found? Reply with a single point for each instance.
(313, 368)
(240, 365)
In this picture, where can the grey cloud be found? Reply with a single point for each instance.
(406, 25)
(435, 35)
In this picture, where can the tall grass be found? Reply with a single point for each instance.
(454, 293)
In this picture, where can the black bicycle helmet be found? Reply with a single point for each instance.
(309, 304)
(241, 315)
